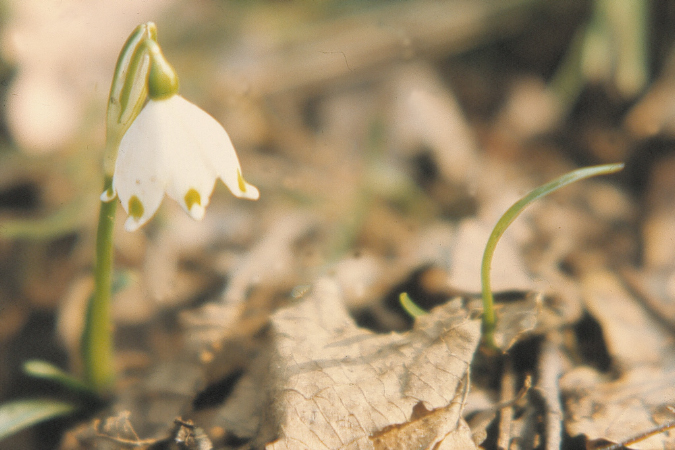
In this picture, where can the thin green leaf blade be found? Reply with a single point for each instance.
(47, 371)
(21, 414)
(489, 320)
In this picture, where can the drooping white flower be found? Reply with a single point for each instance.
(172, 147)
(175, 147)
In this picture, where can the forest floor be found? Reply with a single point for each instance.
(386, 139)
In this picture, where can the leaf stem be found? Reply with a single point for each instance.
(489, 320)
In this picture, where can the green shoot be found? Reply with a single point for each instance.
(409, 306)
(48, 371)
(489, 320)
(20, 414)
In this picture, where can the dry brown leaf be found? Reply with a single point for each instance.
(338, 386)
(439, 429)
(517, 318)
(616, 410)
(640, 348)
(633, 337)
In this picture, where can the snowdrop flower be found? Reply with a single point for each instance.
(175, 147)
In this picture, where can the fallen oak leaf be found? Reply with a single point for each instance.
(336, 385)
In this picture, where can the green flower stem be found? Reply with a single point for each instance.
(97, 345)
(127, 95)
(489, 320)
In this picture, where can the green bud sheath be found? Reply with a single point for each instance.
(162, 79)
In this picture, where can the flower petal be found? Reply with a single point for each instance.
(176, 147)
(191, 177)
(213, 143)
(140, 169)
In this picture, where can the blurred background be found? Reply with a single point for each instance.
(371, 128)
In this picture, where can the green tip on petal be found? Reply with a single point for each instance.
(193, 202)
(192, 198)
(240, 180)
(108, 195)
(135, 207)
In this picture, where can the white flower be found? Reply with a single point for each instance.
(175, 147)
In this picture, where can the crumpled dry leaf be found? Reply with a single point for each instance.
(338, 386)
(641, 349)
(618, 409)
(448, 431)
(633, 337)
(517, 318)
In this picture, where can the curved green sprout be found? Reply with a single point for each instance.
(489, 320)
(409, 306)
